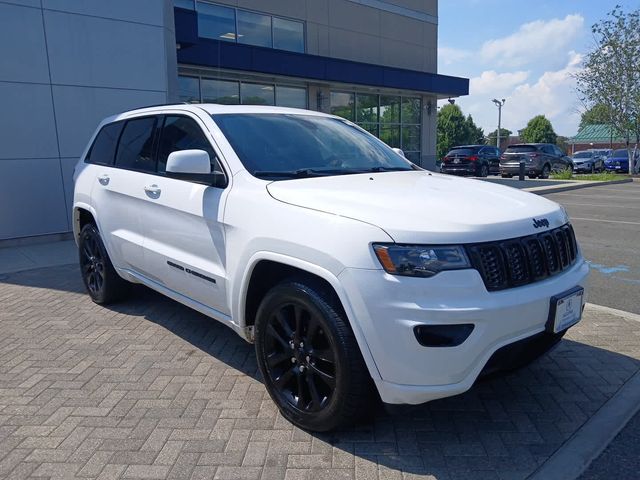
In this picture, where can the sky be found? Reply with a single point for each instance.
(524, 51)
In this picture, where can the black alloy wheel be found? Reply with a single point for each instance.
(103, 283)
(309, 358)
(484, 170)
(301, 358)
(92, 265)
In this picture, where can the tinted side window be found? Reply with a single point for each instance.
(135, 149)
(103, 149)
(547, 149)
(183, 133)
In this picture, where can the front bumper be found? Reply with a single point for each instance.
(387, 308)
(583, 167)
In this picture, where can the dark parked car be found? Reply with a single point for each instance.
(478, 160)
(618, 161)
(588, 161)
(540, 159)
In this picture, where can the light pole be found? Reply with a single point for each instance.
(499, 104)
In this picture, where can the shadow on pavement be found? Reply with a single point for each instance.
(505, 426)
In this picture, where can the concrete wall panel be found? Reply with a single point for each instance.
(80, 109)
(96, 52)
(141, 11)
(34, 198)
(27, 125)
(22, 36)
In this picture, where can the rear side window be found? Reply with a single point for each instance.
(135, 149)
(183, 133)
(520, 149)
(103, 150)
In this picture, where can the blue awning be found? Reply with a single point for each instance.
(227, 55)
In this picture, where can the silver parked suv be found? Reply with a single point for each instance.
(540, 159)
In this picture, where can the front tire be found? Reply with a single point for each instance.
(101, 280)
(309, 357)
(545, 172)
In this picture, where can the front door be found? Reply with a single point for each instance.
(183, 222)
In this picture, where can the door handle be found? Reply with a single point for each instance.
(152, 191)
(104, 179)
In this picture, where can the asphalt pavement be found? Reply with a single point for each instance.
(606, 220)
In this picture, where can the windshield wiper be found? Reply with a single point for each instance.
(300, 173)
(387, 169)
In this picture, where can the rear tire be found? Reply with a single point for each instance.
(309, 357)
(101, 280)
(484, 170)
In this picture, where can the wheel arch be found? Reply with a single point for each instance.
(266, 269)
(82, 214)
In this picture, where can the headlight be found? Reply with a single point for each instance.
(420, 260)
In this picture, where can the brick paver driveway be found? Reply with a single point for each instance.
(151, 389)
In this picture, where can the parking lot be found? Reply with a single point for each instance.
(607, 223)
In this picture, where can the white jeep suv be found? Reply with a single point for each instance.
(351, 269)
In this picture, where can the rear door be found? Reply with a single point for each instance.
(119, 192)
(185, 237)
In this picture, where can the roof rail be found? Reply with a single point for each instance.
(163, 105)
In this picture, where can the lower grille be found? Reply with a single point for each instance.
(521, 261)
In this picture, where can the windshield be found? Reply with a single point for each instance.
(620, 153)
(583, 155)
(289, 146)
(520, 149)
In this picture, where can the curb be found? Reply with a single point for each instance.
(574, 186)
(589, 441)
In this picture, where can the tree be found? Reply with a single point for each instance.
(539, 130)
(598, 114)
(475, 134)
(561, 143)
(452, 128)
(505, 133)
(610, 74)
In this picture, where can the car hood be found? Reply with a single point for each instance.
(420, 206)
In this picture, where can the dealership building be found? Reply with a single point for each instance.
(67, 64)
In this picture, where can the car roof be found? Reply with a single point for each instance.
(470, 146)
(214, 108)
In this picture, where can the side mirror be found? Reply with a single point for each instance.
(399, 152)
(193, 166)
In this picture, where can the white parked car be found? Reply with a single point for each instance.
(351, 269)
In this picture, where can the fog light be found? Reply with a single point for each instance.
(442, 335)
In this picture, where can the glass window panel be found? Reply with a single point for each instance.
(135, 149)
(367, 108)
(103, 149)
(182, 133)
(254, 29)
(411, 137)
(389, 109)
(390, 135)
(188, 4)
(220, 91)
(257, 94)
(342, 105)
(216, 22)
(372, 128)
(291, 97)
(188, 89)
(411, 109)
(288, 35)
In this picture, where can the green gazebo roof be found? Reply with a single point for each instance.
(597, 133)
